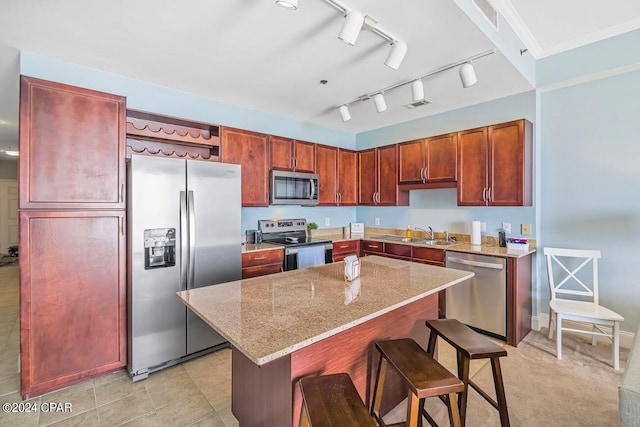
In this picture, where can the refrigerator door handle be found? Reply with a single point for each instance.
(192, 239)
(183, 241)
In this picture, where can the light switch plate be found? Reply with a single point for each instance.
(506, 226)
(327, 221)
(525, 229)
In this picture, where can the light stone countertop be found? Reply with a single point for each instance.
(271, 316)
(255, 247)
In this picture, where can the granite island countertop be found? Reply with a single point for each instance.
(271, 316)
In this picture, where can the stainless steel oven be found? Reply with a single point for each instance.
(293, 188)
(300, 250)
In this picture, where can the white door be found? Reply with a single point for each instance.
(8, 214)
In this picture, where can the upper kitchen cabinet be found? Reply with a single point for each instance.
(495, 165)
(429, 161)
(378, 177)
(72, 147)
(250, 150)
(338, 172)
(292, 155)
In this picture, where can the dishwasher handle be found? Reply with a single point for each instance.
(476, 263)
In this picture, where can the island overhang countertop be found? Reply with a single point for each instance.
(271, 316)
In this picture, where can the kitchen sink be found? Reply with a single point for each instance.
(421, 240)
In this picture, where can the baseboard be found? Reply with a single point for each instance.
(542, 321)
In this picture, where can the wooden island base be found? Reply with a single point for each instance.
(268, 395)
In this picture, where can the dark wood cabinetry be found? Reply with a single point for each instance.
(72, 296)
(378, 177)
(72, 235)
(71, 147)
(250, 150)
(292, 155)
(495, 165)
(428, 160)
(371, 247)
(260, 263)
(345, 248)
(436, 257)
(338, 172)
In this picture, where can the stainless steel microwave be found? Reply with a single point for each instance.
(293, 188)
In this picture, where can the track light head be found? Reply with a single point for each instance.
(378, 100)
(351, 27)
(288, 4)
(396, 54)
(467, 75)
(344, 113)
(417, 90)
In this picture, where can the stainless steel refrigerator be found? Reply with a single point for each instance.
(183, 221)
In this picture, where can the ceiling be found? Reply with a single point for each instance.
(254, 54)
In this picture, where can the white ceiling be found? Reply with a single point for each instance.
(254, 54)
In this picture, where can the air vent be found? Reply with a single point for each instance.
(418, 104)
(488, 11)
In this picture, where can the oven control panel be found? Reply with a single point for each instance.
(281, 225)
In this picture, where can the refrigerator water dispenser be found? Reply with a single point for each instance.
(159, 248)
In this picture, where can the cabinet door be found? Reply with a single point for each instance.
(305, 156)
(326, 164)
(347, 177)
(281, 153)
(441, 162)
(72, 147)
(250, 150)
(509, 173)
(472, 167)
(388, 193)
(367, 176)
(72, 296)
(411, 162)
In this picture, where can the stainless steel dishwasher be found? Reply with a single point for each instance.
(480, 302)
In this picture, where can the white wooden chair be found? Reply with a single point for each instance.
(574, 296)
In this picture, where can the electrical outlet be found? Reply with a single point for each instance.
(525, 229)
(377, 221)
(483, 227)
(506, 226)
(327, 221)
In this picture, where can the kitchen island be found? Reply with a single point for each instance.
(310, 322)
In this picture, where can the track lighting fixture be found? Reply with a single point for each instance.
(344, 113)
(351, 27)
(417, 90)
(396, 54)
(467, 75)
(288, 4)
(378, 100)
(466, 72)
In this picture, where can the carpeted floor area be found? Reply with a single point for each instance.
(579, 390)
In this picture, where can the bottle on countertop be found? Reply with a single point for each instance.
(408, 233)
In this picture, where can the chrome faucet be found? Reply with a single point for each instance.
(430, 232)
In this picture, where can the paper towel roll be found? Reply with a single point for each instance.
(476, 238)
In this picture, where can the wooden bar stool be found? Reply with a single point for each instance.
(423, 376)
(332, 400)
(471, 345)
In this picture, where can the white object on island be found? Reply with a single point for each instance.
(351, 267)
(476, 238)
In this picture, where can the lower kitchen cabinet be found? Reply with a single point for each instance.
(72, 297)
(260, 263)
(370, 247)
(344, 249)
(397, 251)
(436, 257)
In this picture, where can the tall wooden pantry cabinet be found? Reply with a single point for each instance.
(72, 234)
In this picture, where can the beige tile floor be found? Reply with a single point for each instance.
(195, 393)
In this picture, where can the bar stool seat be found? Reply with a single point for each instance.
(332, 400)
(470, 345)
(423, 376)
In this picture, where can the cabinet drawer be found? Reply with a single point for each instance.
(402, 251)
(368, 246)
(349, 246)
(256, 258)
(261, 270)
(432, 255)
